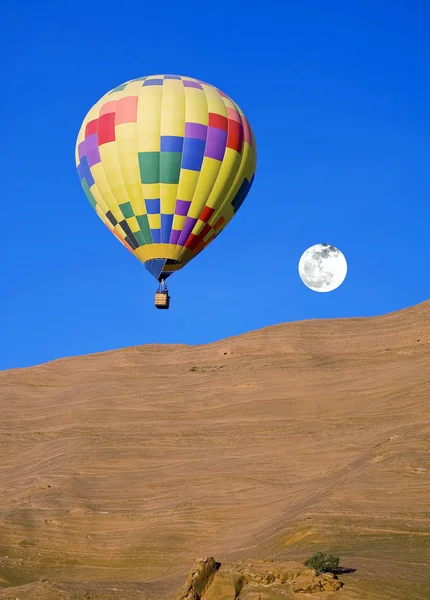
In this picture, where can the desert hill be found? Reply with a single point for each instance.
(118, 469)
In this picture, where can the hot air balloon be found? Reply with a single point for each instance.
(166, 161)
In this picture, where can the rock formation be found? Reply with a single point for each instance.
(199, 579)
(254, 580)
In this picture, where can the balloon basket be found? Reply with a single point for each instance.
(162, 300)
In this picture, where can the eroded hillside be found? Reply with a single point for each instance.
(119, 469)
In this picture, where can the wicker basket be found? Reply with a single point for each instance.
(161, 300)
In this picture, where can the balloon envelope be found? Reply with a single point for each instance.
(166, 161)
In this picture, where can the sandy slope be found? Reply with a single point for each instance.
(127, 465)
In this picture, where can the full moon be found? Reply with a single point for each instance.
(322, 268)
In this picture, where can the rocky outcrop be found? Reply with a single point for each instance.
(254, 580)
(199, 579)
(227, 583)
(309, 582)
(292, 576)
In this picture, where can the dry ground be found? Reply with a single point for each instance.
(119, 469)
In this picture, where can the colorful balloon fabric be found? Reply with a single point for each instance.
(166, 162)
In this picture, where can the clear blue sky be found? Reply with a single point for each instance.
(338, 94)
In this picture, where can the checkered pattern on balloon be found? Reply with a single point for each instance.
(166, 162)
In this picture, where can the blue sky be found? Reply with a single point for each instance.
(338, 95)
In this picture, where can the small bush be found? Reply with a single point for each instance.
(323, 563)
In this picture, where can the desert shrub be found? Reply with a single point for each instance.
(323, 563)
